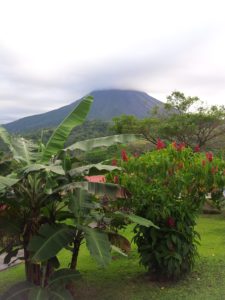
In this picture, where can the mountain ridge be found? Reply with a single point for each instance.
(107, 104)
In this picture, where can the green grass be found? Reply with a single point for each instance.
(126, 279)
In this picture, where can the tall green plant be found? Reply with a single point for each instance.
(37, 194)
(169, 187)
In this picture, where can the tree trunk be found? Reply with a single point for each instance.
(34, 272)
(76, 247)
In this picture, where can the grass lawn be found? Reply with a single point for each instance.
(125, 279)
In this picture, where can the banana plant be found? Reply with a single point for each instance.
(28, 192)
(43, 190)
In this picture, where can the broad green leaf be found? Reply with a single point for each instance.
(62, 277)
(107, 141)
(38, 293)
(79, 201)
(6, 182)
(98, 244)
(51, 239)
(138, 220)
(17, 291)
(86, 169)
(24, 150)
(5, 136)
(60, 135)
(39, 167)
(60, 294)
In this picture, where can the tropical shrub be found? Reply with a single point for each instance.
(169, 186)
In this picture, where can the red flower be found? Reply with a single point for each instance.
(170, 222)
(124, 155)
(116, 179)
(114, 162)
(209, 156)
(203, 162)
(160, 144)
(197, 148)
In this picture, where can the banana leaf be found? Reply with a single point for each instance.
(98, 245)
(138, 220)
(51, 239)
(22, 149)
(84, 170)
(107, 141)
(48, 168)
(60, 135)
(6, 182)
(5, 136)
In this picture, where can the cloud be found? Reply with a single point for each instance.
(154, 50)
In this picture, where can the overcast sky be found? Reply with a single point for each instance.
(54, 52)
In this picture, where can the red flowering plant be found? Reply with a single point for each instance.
(169, 186)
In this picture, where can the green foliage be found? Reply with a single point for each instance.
(169, 187)
(98, 245)
(36, 196)
(183, 119)
(62, 132)
(49, 241)
(103, 142)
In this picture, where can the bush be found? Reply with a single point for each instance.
(169, 187)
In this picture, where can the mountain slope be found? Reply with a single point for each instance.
(107, 104)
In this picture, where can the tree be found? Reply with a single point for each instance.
(148, 127)
(196, 126)
(183, 119)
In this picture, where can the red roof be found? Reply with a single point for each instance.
(99, 178)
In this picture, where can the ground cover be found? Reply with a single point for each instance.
(126, 279)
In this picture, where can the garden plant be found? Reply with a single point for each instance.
(47, 206)
(170, 186)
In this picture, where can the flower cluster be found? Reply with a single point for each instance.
(160, 144)
(124, 155)
(209, 156)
